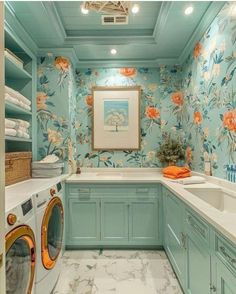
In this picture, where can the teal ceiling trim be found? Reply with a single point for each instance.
(205, 22)
(124, 63)
(67, 52)
(52, 13)
(115, 40)
(162, 19)
(14, 28)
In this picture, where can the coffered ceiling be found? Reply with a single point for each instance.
(159, 33)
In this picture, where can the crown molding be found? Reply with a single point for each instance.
(126, 63)
(206, 20)
(161, 19)
(53, 15)
(67, 52)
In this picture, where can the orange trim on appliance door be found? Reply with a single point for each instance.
(47, 261)
(23, 232)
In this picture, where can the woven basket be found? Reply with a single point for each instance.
(17, 167)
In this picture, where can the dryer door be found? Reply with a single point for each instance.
(52, 232)
(20, 260)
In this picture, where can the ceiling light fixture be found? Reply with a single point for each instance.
(113, 51)
(188, 10)
(135, 9)
(84, 10)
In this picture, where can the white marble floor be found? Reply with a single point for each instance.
(116, 272)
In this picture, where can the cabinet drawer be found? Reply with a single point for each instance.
(198, 227)
(225, 251)
(138, 191)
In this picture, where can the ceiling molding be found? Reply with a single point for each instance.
(126, 63)
(161, 19)
(52, 13)
(114, 40)
(206, 20)
(67, 52)
(14, 27)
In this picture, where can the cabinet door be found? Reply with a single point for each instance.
(225, 280)
(114, 220)
(198, 267)
(83, 221)
(174, 237)
(143, 222)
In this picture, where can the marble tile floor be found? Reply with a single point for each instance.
(116, 272)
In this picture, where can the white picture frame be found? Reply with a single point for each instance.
(116, 118)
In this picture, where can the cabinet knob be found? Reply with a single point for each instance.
(213, 288)
(11, 219)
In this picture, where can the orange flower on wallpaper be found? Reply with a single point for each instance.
(188, 154)
(54, 137)
(229, 120)
(197, 117)
(197, 50)
(177, 98)
(41, 100)
(128, 71)
(89, 100)
(152, 112)
(62, 63)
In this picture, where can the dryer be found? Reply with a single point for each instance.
(20, 244)
(49, 215)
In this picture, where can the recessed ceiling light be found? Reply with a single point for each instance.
(113, 51)
(188, 10)
(135, 8)
(84, 10)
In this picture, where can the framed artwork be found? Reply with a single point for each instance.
(116, 118)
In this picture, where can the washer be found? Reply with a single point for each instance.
(20, 244)
(49, 214)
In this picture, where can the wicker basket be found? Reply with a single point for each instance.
(17, 167)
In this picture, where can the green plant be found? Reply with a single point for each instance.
(170, 151)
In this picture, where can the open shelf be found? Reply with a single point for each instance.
(11, 108)
(14, 71)
(17, 139)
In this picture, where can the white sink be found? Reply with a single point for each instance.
(216, 197)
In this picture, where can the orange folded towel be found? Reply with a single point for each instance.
(176, 172)
(186, 175)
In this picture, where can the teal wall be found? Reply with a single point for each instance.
(209, 89)
(196, 102)
(156, 89)
(56, 105)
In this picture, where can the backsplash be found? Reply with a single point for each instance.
(210, 95)
(56, 105)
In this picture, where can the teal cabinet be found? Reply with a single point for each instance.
(143, 221)
(83, 221)
(198, 255)
(174, 234)
(225, 280)
(114, 220)
(112, 215)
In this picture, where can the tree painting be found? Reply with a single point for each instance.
(116, 115)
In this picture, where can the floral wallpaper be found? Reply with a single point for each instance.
(209, 93)
(152, 124)
(195, 102)
(56, 108)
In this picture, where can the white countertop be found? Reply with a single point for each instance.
(224, 222)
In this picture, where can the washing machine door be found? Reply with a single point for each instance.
(20, 260)
(52, 232)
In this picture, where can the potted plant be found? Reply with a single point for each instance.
(171, 151)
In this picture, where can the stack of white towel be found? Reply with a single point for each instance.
(17, 128)
(17, 98)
